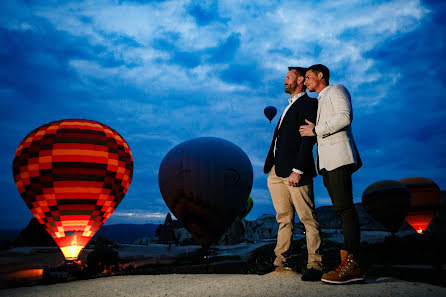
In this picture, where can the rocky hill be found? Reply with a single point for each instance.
(127, 233)
(265, 227)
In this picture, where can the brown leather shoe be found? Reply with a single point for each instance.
(283, 269)
(348, 271)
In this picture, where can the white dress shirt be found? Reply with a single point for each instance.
(291, 101)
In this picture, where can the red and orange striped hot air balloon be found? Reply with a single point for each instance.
(425, 197)
(72, 174)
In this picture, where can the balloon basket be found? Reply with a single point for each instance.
(73, 262)
(209, 253)
(69, 269)
(392, 248)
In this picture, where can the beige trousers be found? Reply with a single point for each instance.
(286, 200)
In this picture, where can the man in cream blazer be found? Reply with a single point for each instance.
(337, 159)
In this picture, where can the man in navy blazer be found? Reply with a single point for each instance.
(291, 169)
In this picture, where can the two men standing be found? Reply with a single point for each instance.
(337, 159)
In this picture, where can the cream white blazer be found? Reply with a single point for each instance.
(335, 144)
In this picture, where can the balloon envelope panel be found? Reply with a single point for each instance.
(72, 174)
(387, 202)
(425, 197)
(206, 183)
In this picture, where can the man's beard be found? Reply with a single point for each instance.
(288, 90)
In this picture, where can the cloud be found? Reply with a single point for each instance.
(163, 72)
(205, 12)
(137, 216)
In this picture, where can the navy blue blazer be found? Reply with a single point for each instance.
(294, 151)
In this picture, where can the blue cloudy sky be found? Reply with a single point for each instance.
(162, 72)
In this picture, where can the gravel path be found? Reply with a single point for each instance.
(272, 284)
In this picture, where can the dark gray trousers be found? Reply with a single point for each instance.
(339, 186)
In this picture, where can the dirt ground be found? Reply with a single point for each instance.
(272, 284)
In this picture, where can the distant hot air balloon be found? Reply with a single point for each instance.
(270, 112)
(249, 207)
(387, 202)
(425, 196)
(72, 174)
(206, 182)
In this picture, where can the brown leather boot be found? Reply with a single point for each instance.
(348, 271)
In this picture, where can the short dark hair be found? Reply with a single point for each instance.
(301, 71)
(323, 69)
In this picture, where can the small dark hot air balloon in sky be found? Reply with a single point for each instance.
(206, 183)
(72, 174)
(387, 202)
(425, 197)
(270, 112)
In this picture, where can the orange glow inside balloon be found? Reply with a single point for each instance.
(419, 220)
(72, 174)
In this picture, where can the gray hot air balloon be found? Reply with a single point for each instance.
(206, 183)
(387, 201)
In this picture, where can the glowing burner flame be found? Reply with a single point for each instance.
(72, 252)
(73, 249)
